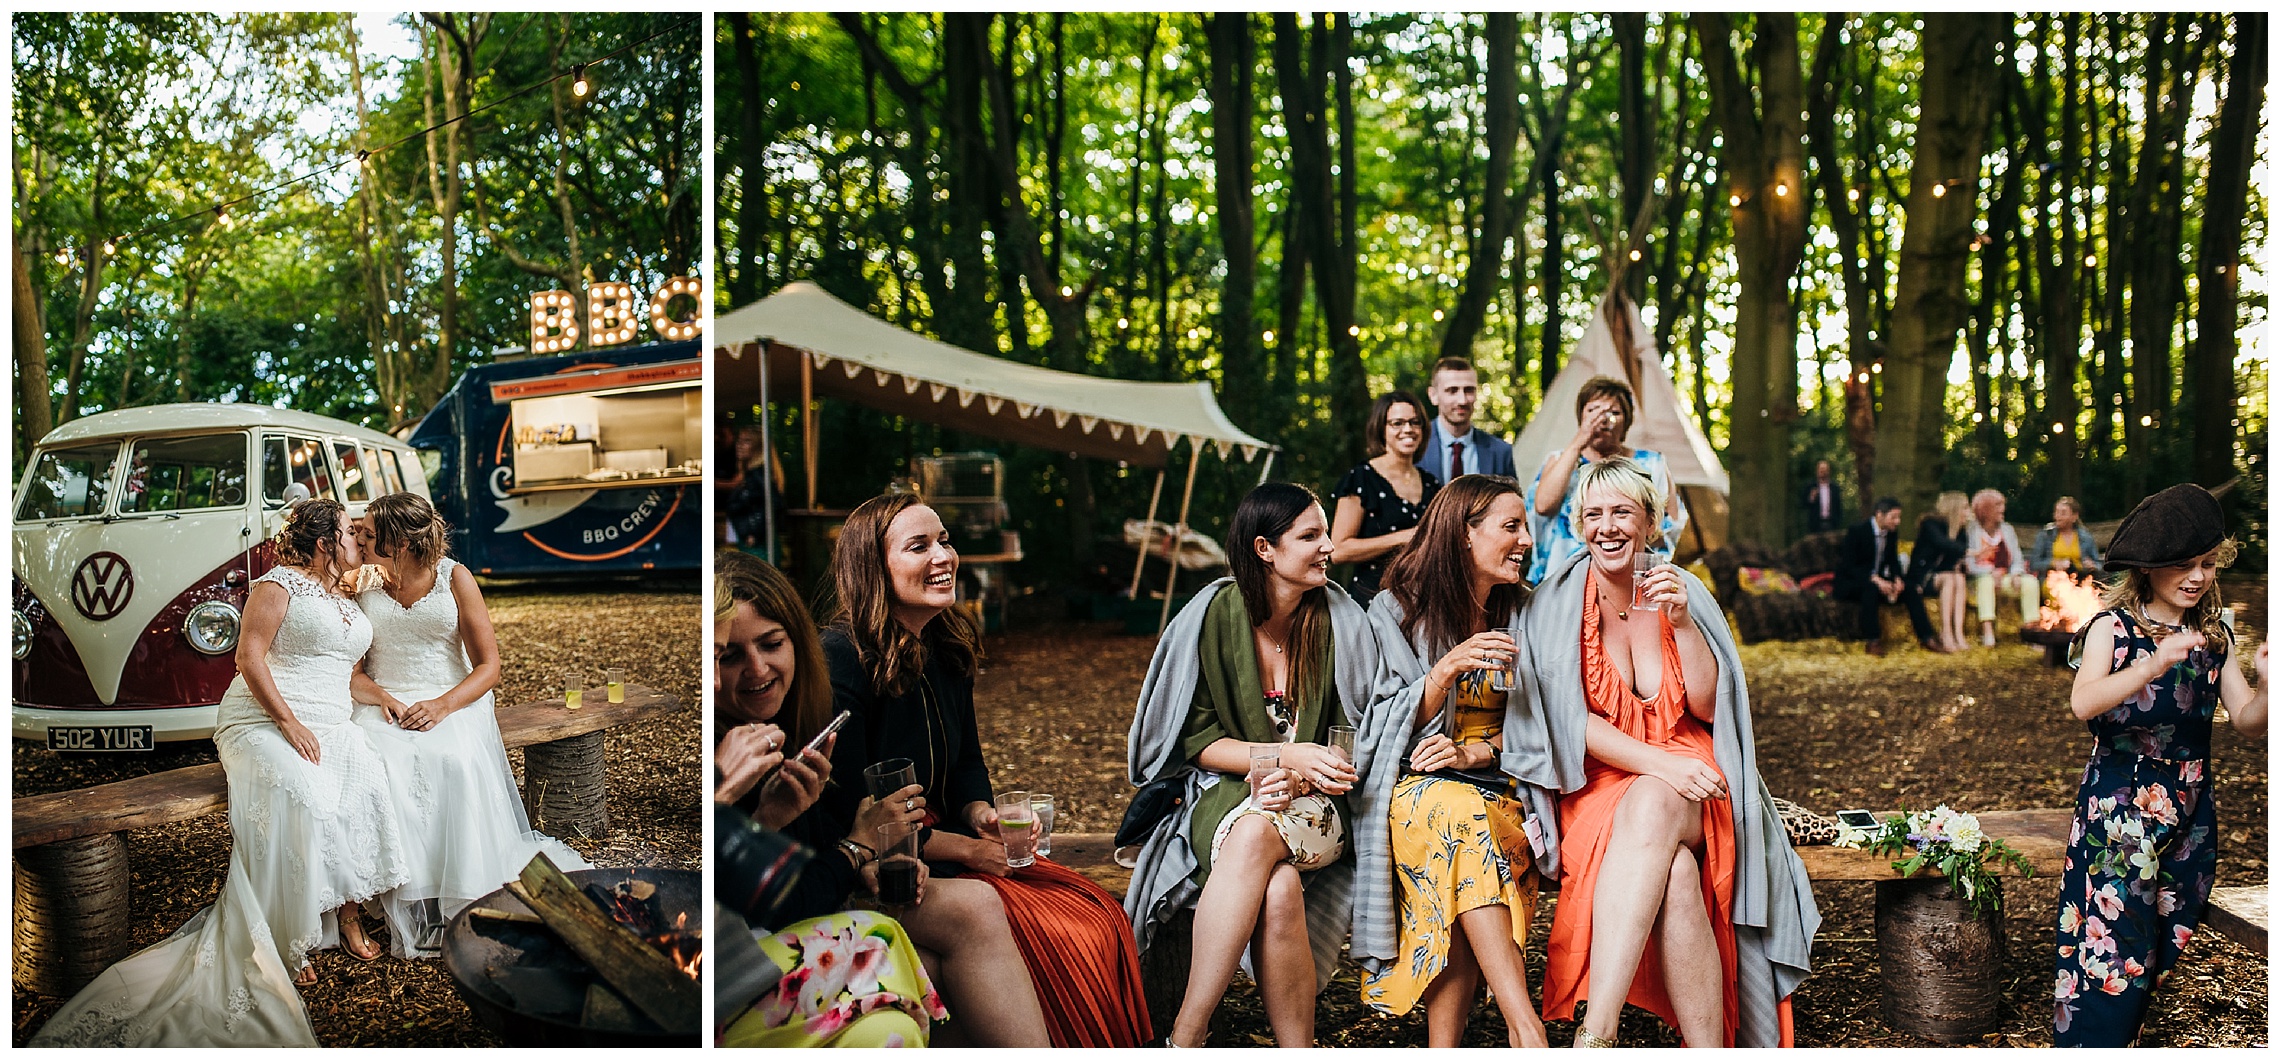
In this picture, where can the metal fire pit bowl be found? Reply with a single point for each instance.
(2057, 644)
(529, 988)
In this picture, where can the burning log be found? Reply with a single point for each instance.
(663, 987)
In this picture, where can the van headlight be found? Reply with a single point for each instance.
(23, 635)
(212, 627)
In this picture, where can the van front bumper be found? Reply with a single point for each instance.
(167, 724)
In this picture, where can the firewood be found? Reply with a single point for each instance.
(639, 971)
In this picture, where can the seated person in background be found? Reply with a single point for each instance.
(1266, 660)
(902, 658)
(776, 919)
(1381, 499)
(1869, 575)
(1936, 566)
(2065, 544)
(1605, 411)
(1824, 505)
(1478, 794)
(1679, 892)
(1992, 561)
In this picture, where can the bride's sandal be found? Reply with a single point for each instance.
(369, 952)
(307, 976)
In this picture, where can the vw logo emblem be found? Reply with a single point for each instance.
(102, 585)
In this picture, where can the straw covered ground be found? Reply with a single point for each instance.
(1835, 729)
(655, 795)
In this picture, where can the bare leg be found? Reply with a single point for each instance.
(981, 975)
(1689, 947)
(1488, 930)
(1449, 997)
(1650, 824)
(1284, 958)
(1226, 913)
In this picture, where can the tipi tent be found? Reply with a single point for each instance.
(1618, 344)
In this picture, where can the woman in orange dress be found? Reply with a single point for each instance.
(1648, 845)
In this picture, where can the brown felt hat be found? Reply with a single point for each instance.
(2170, 527)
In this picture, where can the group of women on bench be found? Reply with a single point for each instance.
(1588, 729)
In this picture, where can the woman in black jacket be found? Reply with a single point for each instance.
(1937, 561)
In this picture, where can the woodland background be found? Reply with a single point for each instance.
(360, 294)
(1941, 250)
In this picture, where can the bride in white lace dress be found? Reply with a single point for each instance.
(424, 698)
(312, 830)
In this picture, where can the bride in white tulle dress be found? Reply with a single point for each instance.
(424, 699)
(312, 831)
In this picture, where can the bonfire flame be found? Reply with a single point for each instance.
(632, 904)
(2068, 603)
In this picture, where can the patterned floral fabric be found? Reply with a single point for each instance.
(1456, 848)
(2142, 854)
(851, 980)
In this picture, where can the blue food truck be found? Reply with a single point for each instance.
(582, 463)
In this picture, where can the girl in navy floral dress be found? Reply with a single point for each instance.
(2142, 854)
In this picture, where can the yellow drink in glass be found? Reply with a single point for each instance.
(617, 691)
(571, 698)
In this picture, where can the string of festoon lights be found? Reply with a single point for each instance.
(581, 87)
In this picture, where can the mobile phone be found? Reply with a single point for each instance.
(812, 745)
(1859, 820)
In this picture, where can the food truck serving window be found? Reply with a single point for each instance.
(182, 474)
(288, 461)
(67, 483)
(641, 435)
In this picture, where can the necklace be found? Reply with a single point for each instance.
(2166, 628)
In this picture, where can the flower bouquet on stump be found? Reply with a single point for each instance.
(1939, 938)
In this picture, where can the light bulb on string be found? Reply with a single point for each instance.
(1939, 191)
(579, 86)
(110, 247)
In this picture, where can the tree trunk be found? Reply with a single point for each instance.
(2058, 257)
(1848, 197)
(35, 400)
(2214, 422)
(1959, 91)
(1763, 158)
(1067, 350)
(1316, 213)
(1484, 272)
(964, 320)
(454, 59)
(751, 276)
(1243, 366)
(1638, 132)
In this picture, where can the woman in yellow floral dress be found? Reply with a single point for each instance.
(1477, 797)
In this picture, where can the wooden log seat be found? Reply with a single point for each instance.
(71, 880)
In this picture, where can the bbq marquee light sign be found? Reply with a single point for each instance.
(611, 317)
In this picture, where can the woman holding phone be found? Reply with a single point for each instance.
(902, 658)
(1478, 794)
(780, 920)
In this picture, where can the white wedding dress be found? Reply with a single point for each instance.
(463, 820)
(304, 838)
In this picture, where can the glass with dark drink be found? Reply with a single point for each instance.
(898, 863)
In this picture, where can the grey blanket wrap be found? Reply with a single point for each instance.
(1161, 875)
(1544, 752)
(1774, 915)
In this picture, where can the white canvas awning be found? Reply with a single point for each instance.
(846, 354)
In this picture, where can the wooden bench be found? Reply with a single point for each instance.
(2039, 835)
(71, 879)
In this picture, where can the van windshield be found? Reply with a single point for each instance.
(184, 474)
(69, 483)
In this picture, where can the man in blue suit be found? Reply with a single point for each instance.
(1455, 447)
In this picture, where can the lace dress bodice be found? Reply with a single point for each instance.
(311, 657)
(416, 649)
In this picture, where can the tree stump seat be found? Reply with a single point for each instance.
(71, 878)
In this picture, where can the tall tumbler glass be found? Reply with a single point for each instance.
(1641, 562)
(1017, 825)
(898, 863)
(1042, 807)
